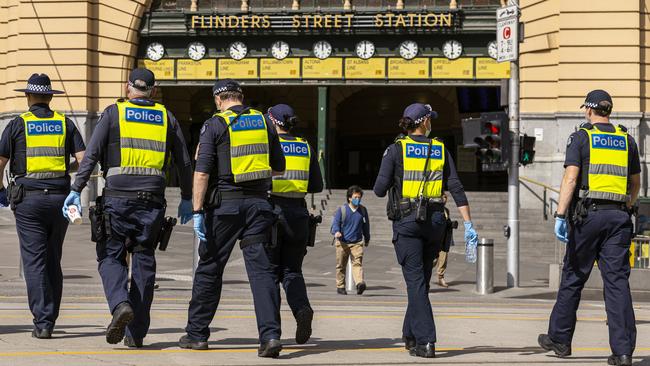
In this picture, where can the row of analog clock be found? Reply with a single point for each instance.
(408, 50)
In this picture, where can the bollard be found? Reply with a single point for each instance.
(485, 267)
(195, 256)
(349, 279)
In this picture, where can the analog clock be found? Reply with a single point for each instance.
(365, 49)
(452, 49)
(238, 50)
(492, 49)
(408, 50)
(280, 50)
(322, 49)
(196, 50)
(155, 51)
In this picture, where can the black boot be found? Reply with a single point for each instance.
(561, 350)
(270, 349)
(42, 333)
(623, 360)
(424, 350)
(122, 316)
(361, 287)
(409, 342)
(341, 291)
(132, 342)
(304, 318)
(189, 343)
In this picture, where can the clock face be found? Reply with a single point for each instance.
(280, 50)
(365, 49)
(196, 50)
(322, 49)
(452, 49)
(238, 50)
(155, 51)
(492, 49)
(408, 50)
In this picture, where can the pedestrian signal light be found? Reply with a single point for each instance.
(527, 149)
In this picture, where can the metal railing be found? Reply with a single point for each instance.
(547, 202)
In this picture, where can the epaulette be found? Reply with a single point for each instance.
(121, 100)
(623, 128)
(436, 139)
(399, 137)
(586, 126)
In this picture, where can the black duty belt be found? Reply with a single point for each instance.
(34, 192)
(139, 195)
(234, 195)
(432, 203)
(606, 206)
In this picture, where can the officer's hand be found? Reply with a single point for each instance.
(561, 230)
(338, 234)
(4, 202)
(74, 198)
(199, 226)
(185, 211)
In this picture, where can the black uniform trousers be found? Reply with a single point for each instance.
(41, 230)
(133, 222)
(603, 236)
(291, 248)
(236, 219)
(416, 246)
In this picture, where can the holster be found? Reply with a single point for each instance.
(100, 222)
(15, 194)
(212, 199)
(449, 231)
(578, 213)
(421, 210)
(393, 205)
(313, 225)
(166, 232)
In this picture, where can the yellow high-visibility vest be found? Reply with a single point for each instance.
(297, 154)
(608, 165)
(45, 146)
(249, 145)
(414, 155)
(143, 139)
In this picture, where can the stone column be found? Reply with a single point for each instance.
(194, 6)
(453, 4)
(244, 5)
(399, 5)
(347, 5)
(295, 5)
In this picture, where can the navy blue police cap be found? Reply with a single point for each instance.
(145, 76)
(417, 112)
(39, 84)
(595, 98)
(225, 85)
(280, 114)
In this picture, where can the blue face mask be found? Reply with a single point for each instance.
(356, 201)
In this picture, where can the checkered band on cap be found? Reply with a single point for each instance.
(274, 120)
(141, 87)
(225, 89)
(39, 88)
(591, 105)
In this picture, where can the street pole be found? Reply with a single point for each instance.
(513, 176)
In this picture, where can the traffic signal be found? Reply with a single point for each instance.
(527, 149)
(493, 142)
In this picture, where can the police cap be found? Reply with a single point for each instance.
(146, 78)
(39, 84)
(281, 114)
(418, 112)
(598, 99)
(225, 85)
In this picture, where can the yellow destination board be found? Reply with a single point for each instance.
(374, 68)
(488, 68)
(314, 68)
(162, 70)
(243, 69)
(417, 68)
(289, 68)
(442, 68)
(196, 70)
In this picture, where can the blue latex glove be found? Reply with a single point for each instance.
(471, 242)
(560, 230)
(199, 226)
(74, 198)
(185, 211)
(4, 201)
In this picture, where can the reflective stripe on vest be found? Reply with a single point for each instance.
(297, 154)
(414, 155)
(143, 139)
(45, 146)
(608, 165)
(249, 145)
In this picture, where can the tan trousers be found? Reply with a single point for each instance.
(343, 251)
(442, 264)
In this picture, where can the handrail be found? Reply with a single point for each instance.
(546, 186)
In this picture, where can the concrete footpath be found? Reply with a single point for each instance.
(501, 328)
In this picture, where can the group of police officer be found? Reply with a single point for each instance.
(249, 185)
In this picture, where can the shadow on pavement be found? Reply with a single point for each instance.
(60, 332)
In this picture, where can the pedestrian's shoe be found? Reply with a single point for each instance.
(122, 316)
(361, 287)
(442, 282)
(624, 360)
(132, 342)
(409, 342)
(424, 350)
(561, 350)
(270, 349)
(189, 343)
(303, 325)
(341, 291)
(42, 333)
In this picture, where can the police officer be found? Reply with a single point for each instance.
(302, 176)
(133, 141)
(39, 144)
(415, 181)
(600, 185)
(238, 153)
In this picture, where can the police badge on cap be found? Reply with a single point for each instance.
(39, 84)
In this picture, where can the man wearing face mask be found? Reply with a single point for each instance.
(600, 186)
(351, 230)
